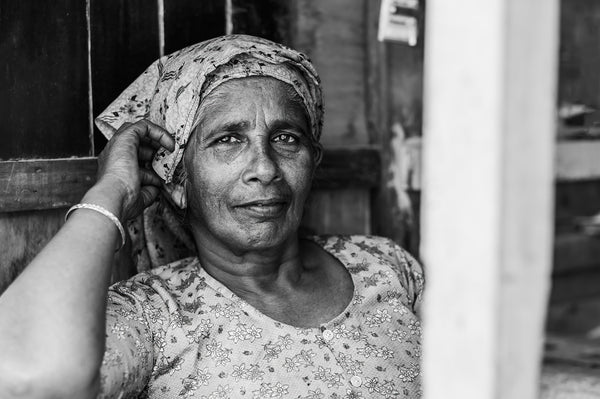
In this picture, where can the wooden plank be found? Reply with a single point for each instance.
(124, 42)
(189, 21)
(44, 79)
(487, 197)
(332, 34)
(44, 184)
(22, 236)
(271, 19)
(56, 183)
(338, 211)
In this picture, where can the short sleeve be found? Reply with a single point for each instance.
(128, 357)
(411, 276)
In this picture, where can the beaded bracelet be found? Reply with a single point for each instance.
(103, 211)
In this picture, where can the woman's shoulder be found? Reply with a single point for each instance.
(371, 253)
(174, 276)
(360, 244)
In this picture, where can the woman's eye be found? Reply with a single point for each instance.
(285, 138)
(228, 140)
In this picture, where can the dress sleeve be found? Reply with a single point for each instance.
(411, 276)
(128, 357)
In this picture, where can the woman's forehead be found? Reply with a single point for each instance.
(239, 98)
(235, 87)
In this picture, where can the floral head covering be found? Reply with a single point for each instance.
(171, 90)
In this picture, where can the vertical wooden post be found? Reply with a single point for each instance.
(490, 79)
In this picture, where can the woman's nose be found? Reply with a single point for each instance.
(262, 166)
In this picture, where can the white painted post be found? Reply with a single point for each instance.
(490, 82)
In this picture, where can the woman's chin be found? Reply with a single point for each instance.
(261, 237)
(266, 239)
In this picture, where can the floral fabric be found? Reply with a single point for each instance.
(175, 331)
(170, 91)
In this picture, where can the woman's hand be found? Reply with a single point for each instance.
(124, 164)
(43, 354)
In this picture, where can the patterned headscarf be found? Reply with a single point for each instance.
(171, 90)
(169, 93)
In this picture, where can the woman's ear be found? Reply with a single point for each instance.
(177, 194)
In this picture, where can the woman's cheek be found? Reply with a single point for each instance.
(226, 154)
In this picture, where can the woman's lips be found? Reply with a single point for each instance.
(268, 208)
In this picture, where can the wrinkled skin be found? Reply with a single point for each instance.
(249, 165)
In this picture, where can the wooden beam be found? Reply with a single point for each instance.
(58, 183)
(45, 183)
(490, 81)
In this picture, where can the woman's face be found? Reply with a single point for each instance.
(249, 165)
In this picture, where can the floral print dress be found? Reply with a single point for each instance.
(175, 331)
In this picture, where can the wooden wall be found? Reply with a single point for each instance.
(373, 104)
(64, 64)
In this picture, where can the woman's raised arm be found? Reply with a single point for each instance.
(52, 316)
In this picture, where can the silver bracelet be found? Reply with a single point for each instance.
(103, 211)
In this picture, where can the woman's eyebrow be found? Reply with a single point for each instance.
(287, 124)
(228, 127)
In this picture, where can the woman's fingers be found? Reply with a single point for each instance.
(145, 128)
(145, 153)
(149, 178)
(123, 159)
(150, 143)
(147, 195)
(149, 132)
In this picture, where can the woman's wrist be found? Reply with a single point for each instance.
(108, 195)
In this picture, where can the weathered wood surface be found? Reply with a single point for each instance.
(271, 19)
(329, 211)
(188, 22)
(487, 197)
(56, 183)
(332, 34)
(44, 184)
(124, 42)
(43, 79)
(22, 236)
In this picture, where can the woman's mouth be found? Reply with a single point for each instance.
(265, 208)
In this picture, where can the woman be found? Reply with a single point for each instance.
(258, 312)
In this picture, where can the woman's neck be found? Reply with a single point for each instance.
(251, 271)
